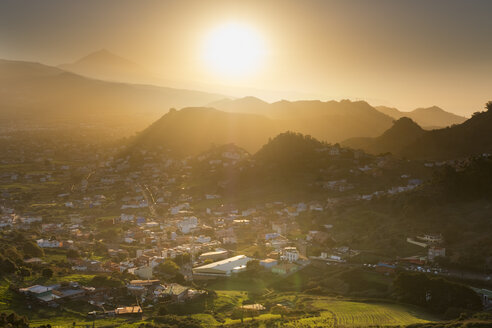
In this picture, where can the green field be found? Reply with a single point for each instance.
(342, 313)
(324, 312)
(304, 310)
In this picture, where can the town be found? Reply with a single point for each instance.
(126, 240)
(245, 164)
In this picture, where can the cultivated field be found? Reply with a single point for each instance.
(341, 313)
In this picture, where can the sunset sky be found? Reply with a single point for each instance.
(400, 53)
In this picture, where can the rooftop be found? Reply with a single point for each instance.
(224, 266)
(128, 310)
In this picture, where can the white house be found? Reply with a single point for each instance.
(203, 239)
(212, 196)
(290, 254)
(29, 220)
(127, 217)
(44, 243)
(187, 224)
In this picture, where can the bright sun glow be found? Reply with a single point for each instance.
(234, 50)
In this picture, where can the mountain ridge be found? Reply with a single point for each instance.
(105, 65)
(28, 89)
(427, 117)
(332, 121)
(470, 138)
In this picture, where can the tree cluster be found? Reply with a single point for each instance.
(435, 293)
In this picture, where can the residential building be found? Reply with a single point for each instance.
(224, 267)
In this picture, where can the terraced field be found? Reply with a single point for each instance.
(339, 313)
(332, 312)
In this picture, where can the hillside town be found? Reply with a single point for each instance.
(146, 236)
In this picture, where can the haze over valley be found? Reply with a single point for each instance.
(245, 164)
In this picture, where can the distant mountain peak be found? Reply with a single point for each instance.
(107, 56)
(405, 122)
(427, 117)
(404, 126)
(105, 65)
(431, 109)
(252, 99)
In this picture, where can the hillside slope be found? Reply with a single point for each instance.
(403, 132)
(190, 131)
(32, 90)
(473, 137)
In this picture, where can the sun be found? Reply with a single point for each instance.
(233, 49)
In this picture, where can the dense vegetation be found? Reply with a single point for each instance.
(434, 293)
(406, 139)
(12, 320)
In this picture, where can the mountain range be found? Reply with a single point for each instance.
(331, 121)
(47, 93)
(104, 65)
(33, 90)
(428, 118)
(407, 139)
(191, 130)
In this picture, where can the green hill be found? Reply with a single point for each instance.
(472, 137)
(405, 138)
(190, 131)
(403, 132)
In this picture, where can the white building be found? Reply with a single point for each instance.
(43, 243)
(290, 254)
(203, 239)
(430, 238)
(224, 267)
(434, 252)
(178, 208)
(127, 217)
(29, 220)
(187, 224)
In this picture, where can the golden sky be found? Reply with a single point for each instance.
(402, 53)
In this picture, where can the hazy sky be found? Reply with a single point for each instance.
(403, 53)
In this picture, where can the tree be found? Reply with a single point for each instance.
(13, 320)
(24, 272)
(13, 254)
(8, 266)
(47, 273)
(72, 254)
(167, 268)
(280, 309)
(106, 281)
(488, 105)
(31, 249)
(435, 293)
(253, 266)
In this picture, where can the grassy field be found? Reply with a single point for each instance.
(319, 311)
(304, 310)
(342, 313)
(227, 300)
(332, 313)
